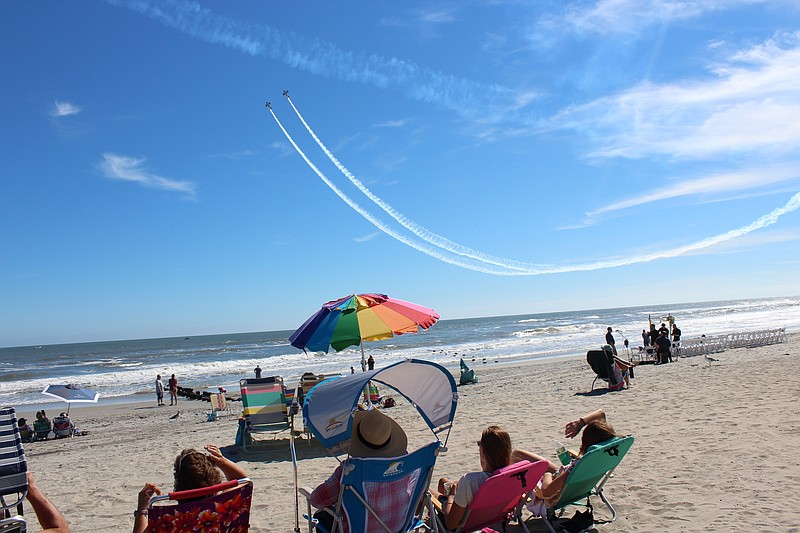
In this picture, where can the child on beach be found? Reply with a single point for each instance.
(193, 469)
(595, 430)
(494, 451)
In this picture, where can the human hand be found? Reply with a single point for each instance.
(573, 428)
(146, 493)
(215, 455)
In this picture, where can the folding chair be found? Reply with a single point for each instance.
(500, 498)
(467, 375)
(265, 410)
(222, 508)
(589, 475)
(381, 494)
(13, 473)
(601, 362)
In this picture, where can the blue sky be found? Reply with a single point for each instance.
(486, 158)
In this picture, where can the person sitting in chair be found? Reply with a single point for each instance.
(494, 451)
(193, 469)
(41, 426)
(63, 426)
(373, 435)
(595, 430)
(25, 431)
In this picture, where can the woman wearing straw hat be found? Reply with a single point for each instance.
(373, 435)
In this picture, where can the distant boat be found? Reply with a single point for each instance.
(186, 338)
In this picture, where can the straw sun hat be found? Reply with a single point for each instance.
(376, 435)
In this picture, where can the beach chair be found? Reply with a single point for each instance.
(265, 410)
(499, 499)
(219, 406)
(385, 494)
(222, 508)
(601, 362)
(62, 426)
(588, 477)
(13, 473)
(467, 375)
(42, 428)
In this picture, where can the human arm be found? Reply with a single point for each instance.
(326, 492)
(523, 455)
(573, 428)
(50, 518)
(229, 468)
(140, 516)
(453, 512)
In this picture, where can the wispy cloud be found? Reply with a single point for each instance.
(392, 123)
(283, 149)
(235, 156)
(366, 238)
(125, 168)
(440, 16)
(466, 97)
(64, 109)
(752, 102)
(708, 185)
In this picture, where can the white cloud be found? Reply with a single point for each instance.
(366, 238)
(715, 184)
(125, 168)
(399, 123)
(751, 103)
(64, 109)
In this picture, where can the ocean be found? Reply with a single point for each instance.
(125, 370)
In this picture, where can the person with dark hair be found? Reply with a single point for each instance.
(159, 390)
(25, 430)
(494, 451)
(663, 345)
(595, 430)
(173, 390)
(192, 469)
(610, 340)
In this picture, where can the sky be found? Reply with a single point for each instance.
(477, 157)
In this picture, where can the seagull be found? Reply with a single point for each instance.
(710, 359)
(176, 415)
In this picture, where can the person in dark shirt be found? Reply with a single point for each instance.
(663, 344)
(610, 341)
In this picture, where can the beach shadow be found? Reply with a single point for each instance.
(595, 392)
(276, 451)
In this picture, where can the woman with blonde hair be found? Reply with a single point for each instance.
(494, 450)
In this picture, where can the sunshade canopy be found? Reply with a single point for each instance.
(360, 317)
(71, 393)
(329, 407)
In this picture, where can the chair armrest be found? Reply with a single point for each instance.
(306, 492)
(436, 503)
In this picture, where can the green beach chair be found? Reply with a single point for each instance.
(589, 475)
(467, 375)
(265, 409)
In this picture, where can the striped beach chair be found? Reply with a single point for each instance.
(13, 473)
(265, 409)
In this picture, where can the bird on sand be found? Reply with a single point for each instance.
(176, 415)
(710, 359)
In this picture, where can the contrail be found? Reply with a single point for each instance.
(378, 223)
(521, 268)
(466, 97)
(418, 230)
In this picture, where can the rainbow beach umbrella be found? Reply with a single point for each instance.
(351, 320)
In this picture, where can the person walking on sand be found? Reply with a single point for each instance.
(257, 371)
(159, 390)
(610, 340)
(173, 390)
(371, 363)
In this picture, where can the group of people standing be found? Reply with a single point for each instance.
(659, 340)
(173, 390)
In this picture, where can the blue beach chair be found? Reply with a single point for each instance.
(13, 473)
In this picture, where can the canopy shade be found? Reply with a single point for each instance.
(329, 407)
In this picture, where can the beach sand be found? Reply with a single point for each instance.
(716, 444)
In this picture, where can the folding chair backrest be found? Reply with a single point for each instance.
(392, 488)
(264, 400)
(599, 362)
(215, 401)
(591, 469)
(13, 466)
(42, 428)
(499, 495)
(223, 508)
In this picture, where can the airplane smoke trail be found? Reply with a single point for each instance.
(463, 96)
(418, 230)
(529, 269)
(374, 221)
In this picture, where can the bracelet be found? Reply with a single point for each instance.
(582, 422)
(139, 512)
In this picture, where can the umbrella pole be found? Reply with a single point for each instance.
(296, 490)
(363, 359)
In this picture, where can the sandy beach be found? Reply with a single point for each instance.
(715, 444)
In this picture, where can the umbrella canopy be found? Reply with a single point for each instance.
(360, 317)
(71, 393)
(329, 407)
